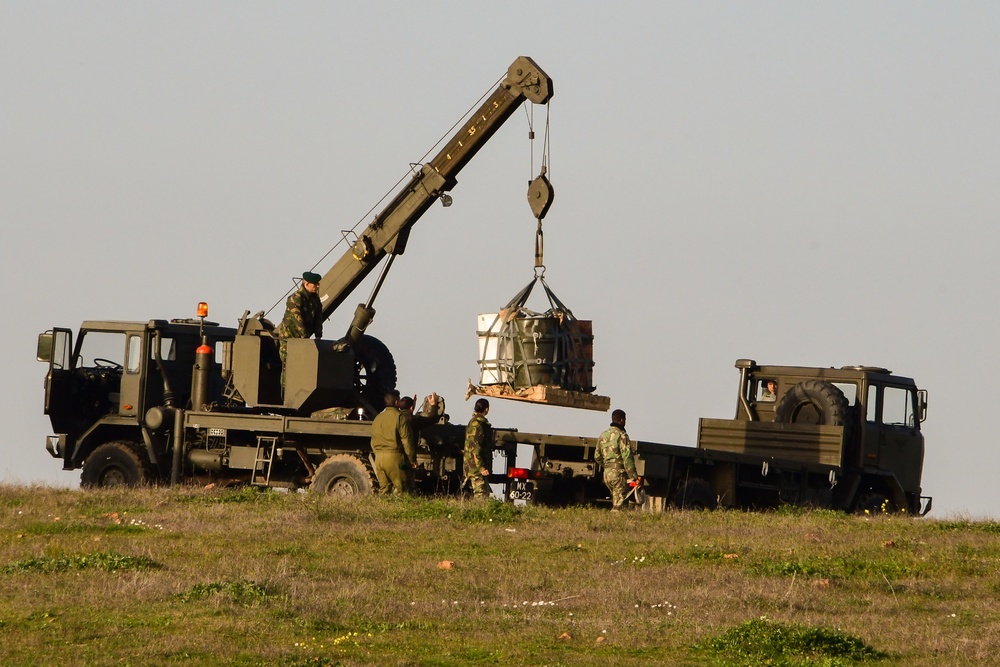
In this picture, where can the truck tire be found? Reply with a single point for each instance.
(116, 464)
(376, 373)
(696, 494)
(812, 402)
(873, 503)
(343, 475)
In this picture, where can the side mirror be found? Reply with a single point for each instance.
(922, 404)
(44, 350)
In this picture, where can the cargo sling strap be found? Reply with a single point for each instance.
(540, 348)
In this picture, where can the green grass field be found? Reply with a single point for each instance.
(239, 577)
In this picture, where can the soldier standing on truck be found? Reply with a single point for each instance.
(614, 452)
(303, 316)
(394, 447)
(477, 450)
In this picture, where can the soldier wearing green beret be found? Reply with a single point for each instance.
(303, 316)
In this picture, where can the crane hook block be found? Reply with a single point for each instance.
(540, 194)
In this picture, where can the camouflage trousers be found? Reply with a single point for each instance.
(391, 471)
(283, 354)
(617, 484)
(475, 479)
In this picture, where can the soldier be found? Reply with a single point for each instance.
(430, 413)
(770, 391)
(614, 451)
(394, 447)
(303, 316)
(478, 454)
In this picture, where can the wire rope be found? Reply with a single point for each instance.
(395, 187)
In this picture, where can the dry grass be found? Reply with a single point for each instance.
(210, 577)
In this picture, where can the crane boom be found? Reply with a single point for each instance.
(388, 232)
(358, 369)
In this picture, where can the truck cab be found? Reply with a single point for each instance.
(100, 389)
(864, 421)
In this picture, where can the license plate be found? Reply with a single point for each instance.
(521, 489)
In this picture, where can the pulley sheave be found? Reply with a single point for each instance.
(540, 194)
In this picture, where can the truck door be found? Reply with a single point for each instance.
(99, 367)
(900, 441)
(58, 380)
(892, 438)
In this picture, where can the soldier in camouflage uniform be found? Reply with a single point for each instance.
(615, 452)
(478, 454)
(394, 446)
(303, 316)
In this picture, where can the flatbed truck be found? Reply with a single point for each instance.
(841, 438)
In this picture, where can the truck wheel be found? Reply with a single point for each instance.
(376, 372)
(812, 402)
(116, 464)
(343, 475)
(696, 494)
(873, 502)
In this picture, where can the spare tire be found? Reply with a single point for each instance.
(812, 402)
(376, 372)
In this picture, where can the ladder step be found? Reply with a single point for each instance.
(264, 457)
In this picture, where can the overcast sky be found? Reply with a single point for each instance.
(796, 183)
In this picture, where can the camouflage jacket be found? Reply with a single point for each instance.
(303, 315)
(477, 444)
(614, 451)
(391, 432)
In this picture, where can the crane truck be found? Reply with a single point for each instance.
(150, 401)
(187, 399)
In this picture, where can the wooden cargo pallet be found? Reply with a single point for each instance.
(544, 394)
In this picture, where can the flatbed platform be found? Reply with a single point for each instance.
(543, 394)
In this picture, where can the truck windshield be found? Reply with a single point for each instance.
(101, 348)
(897, 407)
